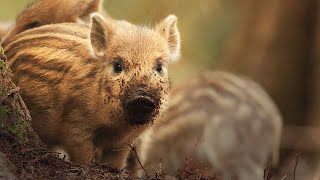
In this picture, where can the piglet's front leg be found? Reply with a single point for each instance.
(80, 150)
(116, 156)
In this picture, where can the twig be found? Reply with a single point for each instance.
(317, 175)
(16, 89)
(267, 172)
(94, 155)
(159, 173)
(118, 150)
(134, 149)
(77, 170)
(40, 158)
(37, 150)
(294, 170)
(82, 170)
(295, 167)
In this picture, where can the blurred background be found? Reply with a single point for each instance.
(274, 42)
(204, 25)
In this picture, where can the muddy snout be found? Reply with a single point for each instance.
(141, 106)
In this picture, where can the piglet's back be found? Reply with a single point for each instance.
(46, 65)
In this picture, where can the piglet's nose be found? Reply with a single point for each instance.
(141, 90)
(140, 106)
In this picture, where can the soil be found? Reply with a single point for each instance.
(197, 170)
(33, 161)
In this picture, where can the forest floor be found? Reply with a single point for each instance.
(33, 162)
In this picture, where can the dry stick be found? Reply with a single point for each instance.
(160, 170)
(35, 150)
(82, 170)
(94, 155)
(39, 158)
(317, 175)
(284, 177)
(294, 170)
(77, 170)
(14, 90)
(134, 149)
(295, 167)
(268, 172)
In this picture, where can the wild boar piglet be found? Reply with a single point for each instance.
(91, 89)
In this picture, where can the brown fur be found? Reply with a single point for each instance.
(76, 100)
(219, 118)
(43, 12)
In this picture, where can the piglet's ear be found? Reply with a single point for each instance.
(100, 34)
(169, 30)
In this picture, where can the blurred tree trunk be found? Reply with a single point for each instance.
(273, 46)
(314, 83)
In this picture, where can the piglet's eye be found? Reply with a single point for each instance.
(159, 67)
(118, 65)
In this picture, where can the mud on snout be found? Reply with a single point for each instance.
(141, 104)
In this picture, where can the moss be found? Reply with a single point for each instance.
(19, 128)
(4, 114)
(3, 92)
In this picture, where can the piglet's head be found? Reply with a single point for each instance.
(135, 59)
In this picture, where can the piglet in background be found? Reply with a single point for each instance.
(219, 118)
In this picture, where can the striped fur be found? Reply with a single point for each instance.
(75, 98)
(219, 118)
(43, 12)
